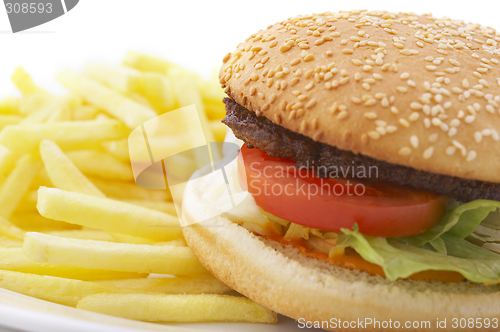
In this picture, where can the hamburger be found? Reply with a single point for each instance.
(371, 169)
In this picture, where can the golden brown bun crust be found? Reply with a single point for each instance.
(280, 278)
(406, 89)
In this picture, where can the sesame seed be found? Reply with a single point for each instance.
(471, 155)
(344, 80)
(374, 135)
(370, 102)
(428, 152)
(404, 151)
(450, 150)
(254, 77)
(384, 102)
(404, 122)
(356, 100)
(284, 48)
(452, 132)
(469, 119)
(391, 129)
(413, 116)
(342, 115)
(402, 89)
(334, 108)
(347, 51)
(405, 76)
(356, 62)
(416, 106)
(394, 110)
(414, 141)
(371, 115)
(411, 83)
(308, 58)
(309, 86)
(478, 137)
(431, 68)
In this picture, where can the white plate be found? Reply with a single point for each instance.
(20, 312)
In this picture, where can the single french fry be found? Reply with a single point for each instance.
(85, 112)
(107, 214)
(14, 259)
(10, 230)
(179, 308)
(219, 130)
(10, 105)
(159, 91)
(7, 160)
(174, 285)
(141, 258)
(122, 79)
(34, 102)
(129, 190)
(118, 148)
(34, 222)
(131, 113)
(145, 62)
(85, 234)
(63, 173)
(71, 134)
(9, 119)
(59, 290)
(186, 89)
(42, 114)
(215, 110)
(124, 238)
(167, 207)
(8, 242)
(100, 164)
(17, 183)
(60, 115)
(28, 202)
(24, 82)
(140, 99)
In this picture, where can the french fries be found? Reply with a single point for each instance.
(75, 228)
(17, 183)
(10, 105)
(146, 62)
(131, 113)
(67, 134)
(59, 290)
(173, 285)
(140, 258)
(107, 214)
(14, 259)
(101, 164)
(63, 173)
(178, 308)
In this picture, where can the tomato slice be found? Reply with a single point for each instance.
(297, 195)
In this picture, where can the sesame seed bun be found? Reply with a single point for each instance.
(280, 278)
(406, 89)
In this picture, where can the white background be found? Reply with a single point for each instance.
(196, 34)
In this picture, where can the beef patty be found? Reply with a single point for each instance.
(277, 141)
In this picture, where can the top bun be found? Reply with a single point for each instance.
(402, 88)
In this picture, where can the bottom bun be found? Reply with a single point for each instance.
(310, 290)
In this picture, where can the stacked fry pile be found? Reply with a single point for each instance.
(74, 227)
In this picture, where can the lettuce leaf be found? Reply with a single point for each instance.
(460, 222)
(400, 260)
